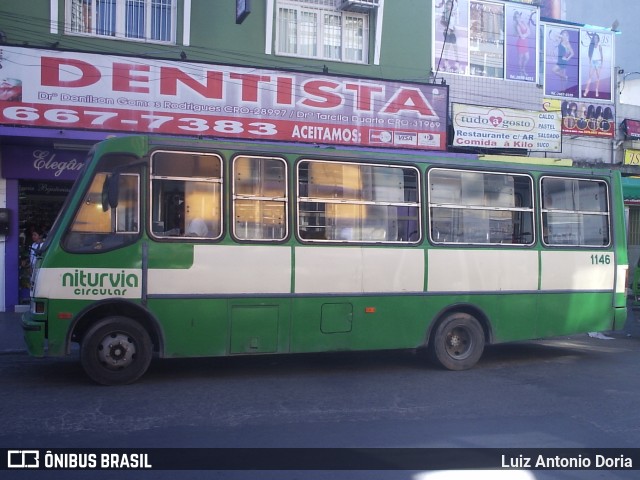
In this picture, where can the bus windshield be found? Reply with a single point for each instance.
(99, 225)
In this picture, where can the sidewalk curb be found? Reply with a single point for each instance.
(11, 336)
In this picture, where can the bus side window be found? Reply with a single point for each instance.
(575, 212)
(353, 202)
(471, 207)
(260, 198)
(186, 195)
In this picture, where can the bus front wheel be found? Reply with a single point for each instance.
(116, 351)
(458, 342)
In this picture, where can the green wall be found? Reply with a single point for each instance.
(216, 38)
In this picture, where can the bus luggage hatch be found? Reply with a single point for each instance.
(254, 328)
(336, 318)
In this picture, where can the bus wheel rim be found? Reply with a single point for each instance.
(458, 343)
(116, 351)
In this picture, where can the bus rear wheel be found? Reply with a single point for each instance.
(116, 351)
(458, 342)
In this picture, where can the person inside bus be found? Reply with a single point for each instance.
(197, 228)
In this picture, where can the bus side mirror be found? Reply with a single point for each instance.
(110, 191)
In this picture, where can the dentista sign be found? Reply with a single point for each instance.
(106, 92)
(492, 127)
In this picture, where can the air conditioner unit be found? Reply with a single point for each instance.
(362, 6)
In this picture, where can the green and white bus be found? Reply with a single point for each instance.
(194, 248)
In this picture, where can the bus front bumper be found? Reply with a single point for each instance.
(34, 335)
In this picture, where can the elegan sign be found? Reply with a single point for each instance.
(492, 127)
(107, 92)
(40, 163)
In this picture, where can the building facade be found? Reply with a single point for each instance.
(473, 77)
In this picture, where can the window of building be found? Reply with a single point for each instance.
(259, 198)
(319, 29)
(350, 202)
(148, 20)
(186, 200)
(480, 207)
(575, 212)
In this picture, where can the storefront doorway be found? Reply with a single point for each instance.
(38, 179)
(38, 205)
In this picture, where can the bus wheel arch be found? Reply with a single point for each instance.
(96, 312)
(458, 337)
(117, 341)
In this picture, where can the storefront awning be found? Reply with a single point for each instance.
(631, 189)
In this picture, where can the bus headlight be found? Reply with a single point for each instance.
(38, 307)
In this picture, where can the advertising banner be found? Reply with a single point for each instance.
(486, 39)
(631, 129)
(469, 39)
(562, 55)
(115, 93)
(491, 127)
(596, 55)
(522, 24)
(584, 118)
(579, 63)
(631, 157)
(451, 19)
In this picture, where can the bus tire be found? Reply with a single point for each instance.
(116, 351)
(458, 342)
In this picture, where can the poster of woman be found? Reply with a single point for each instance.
(562, 57)
(451, 20)
(522, 33)
(595, 64)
